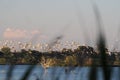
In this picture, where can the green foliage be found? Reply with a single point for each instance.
(2, 61)
(70, 60)
(117, 62)
(6, 50)
(7, 54)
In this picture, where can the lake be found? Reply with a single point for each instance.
(52, 73)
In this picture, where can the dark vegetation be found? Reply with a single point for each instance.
(82, 56)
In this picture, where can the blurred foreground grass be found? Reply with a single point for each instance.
(106, 70)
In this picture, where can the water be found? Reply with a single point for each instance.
(52, 73)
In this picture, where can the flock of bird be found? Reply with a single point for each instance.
(16, 46)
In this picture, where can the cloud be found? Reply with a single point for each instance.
(11, 33)
(14, 33)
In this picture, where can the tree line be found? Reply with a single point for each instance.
(81, 56)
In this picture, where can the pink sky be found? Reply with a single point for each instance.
(12, 33)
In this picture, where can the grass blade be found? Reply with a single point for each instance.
(28, 72)
(10, 71)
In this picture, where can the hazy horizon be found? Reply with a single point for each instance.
(42, 20)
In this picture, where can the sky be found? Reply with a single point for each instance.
(43, 20)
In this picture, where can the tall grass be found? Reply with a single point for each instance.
(106, 70)
(101, 47)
